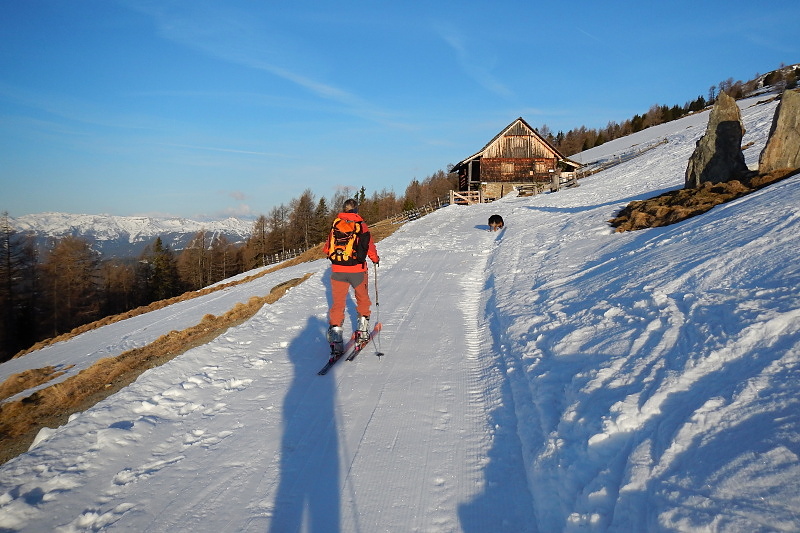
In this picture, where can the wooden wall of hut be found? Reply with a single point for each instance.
(517, 170)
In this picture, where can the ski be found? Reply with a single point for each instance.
(349, 347)
(350, 351)
(362, 344)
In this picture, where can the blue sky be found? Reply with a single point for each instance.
(211, 109)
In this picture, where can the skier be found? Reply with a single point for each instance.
(348, 245)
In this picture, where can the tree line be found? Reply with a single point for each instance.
(46, 293)
(582, 138)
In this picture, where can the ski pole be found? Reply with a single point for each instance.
(377, 312)
(375, 269)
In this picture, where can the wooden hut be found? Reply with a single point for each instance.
(517, 156)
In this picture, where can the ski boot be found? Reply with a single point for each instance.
(336, 340)
(362, 330)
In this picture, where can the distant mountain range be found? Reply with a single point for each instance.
(126, 237)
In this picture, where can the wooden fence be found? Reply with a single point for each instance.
(271, 259)
(466, 197)
(419, 212)
(533, 188)
(603, 164)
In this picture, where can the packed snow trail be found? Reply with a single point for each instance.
(428, 429)
(375, 443)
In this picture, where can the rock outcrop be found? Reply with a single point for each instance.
(782, 150)
(717, 172)
(718, 156)
(675, 206)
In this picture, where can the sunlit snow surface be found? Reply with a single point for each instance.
(554, 376)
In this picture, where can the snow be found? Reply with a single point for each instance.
(554, 376)
(109, 227)
(125, 237)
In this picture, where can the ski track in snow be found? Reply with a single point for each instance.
(600, 371)
(427, 436)
(553, 376)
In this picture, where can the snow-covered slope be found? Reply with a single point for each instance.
(555, 376)
(127, 236)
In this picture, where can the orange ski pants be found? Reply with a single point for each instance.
(340, 286)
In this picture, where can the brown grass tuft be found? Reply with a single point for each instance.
(676, 206)
(29, 379)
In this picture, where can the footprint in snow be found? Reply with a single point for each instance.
(95, 520)
(198, 437)
(129, 475)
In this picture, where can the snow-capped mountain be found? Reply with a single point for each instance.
(118, 236)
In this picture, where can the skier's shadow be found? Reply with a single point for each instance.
(307, 498)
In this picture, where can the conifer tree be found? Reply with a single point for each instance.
(321, 221)
(166, 281)
(194, 260)
(18, 283)
(119, 286)
(413, 196)
(302, 221)
(278, 229)
(7, 296)
(256, 247)
(71, 284)
(157, 276)
(222, 259)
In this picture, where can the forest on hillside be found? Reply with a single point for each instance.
(45, 295)
(71, 284)
(582, 138)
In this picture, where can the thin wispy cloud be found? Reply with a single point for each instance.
(239, 38)
(227, 150)
(469, 65)
(76, 111)
(586, 33)
(764, 41)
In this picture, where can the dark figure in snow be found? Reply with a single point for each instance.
(495, 222)
(348, 246)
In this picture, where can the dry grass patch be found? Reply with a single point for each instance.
(155, 306)
(676, 206)
(21, 420)
(29, 379)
